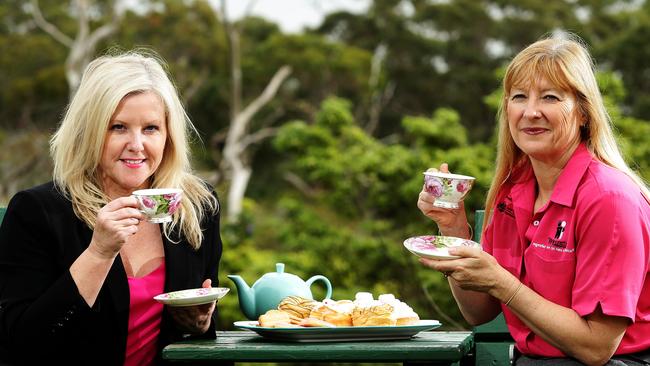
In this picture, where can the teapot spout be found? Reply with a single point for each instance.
(246, 297)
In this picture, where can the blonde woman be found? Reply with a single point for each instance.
(567, 239)
(79, 264)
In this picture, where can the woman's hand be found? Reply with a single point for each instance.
(194, 319)
(116, 222)
(451, 222)
(476, 270)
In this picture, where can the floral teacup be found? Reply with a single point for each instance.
(159, 204)
(448, 189)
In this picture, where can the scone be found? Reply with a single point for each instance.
(375, 315)
(274, 318)
(297, 307)
(338, 313)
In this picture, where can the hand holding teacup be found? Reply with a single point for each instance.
(441, 200)
(115, 223)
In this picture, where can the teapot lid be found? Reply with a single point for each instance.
(279, 267)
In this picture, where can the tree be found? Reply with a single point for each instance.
(83, 46)
(236, 164)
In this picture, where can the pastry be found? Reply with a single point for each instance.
(274, 317)
(334, 312)
(313, 322)
(297, 307)
(374, 315)
(402, 313)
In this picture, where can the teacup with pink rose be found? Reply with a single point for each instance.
(159, 204)
(448, 189)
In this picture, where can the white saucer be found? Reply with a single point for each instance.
(196, 296)
(435, 246)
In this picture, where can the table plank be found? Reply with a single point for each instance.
(241, 346)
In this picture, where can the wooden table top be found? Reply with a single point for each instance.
(240, 346)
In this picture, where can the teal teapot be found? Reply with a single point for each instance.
(269, 290)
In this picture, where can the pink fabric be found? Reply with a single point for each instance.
(145, 316)
(588, 247)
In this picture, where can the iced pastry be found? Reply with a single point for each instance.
(402, 313)
(338, 313)
(363, 297)
(297, 307)
(375, 315)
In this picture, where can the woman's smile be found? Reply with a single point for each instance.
(534, 130)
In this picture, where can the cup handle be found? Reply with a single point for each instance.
(325, 280)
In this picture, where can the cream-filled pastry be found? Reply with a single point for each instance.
(333, 312)
(374, 315)
(297, 307)
(402, 313)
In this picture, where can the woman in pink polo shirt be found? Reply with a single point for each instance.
(566, 246)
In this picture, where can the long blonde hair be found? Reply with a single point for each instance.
(77, 145)
(566, 63)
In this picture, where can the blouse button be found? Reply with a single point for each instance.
(536, 223)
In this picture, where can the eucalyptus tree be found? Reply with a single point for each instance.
(83, 44)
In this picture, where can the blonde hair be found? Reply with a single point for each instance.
(77, 145)
(566, 63)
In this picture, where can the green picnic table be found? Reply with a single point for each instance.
(430, 348)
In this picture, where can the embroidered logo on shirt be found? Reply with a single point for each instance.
(505, 207)
(557, 241)
(560, 230)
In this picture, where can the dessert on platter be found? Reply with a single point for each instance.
(363, 311)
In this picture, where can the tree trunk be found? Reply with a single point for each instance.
(235, 165)
(82, 47)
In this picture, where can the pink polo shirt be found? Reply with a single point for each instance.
(589, 245)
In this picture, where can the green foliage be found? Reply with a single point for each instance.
(633, 140)
(26, 168)
(443, 131)
(360, 175)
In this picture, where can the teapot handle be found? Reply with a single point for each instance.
(324, 279)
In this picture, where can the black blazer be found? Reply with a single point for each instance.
(43, 318)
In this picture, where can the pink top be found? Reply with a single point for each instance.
(145, 315)
(588, 247)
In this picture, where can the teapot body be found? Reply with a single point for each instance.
(270, 289)
(268, 294)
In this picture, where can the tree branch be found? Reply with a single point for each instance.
(196, 85)
(49, 28)
(268, 93)
(256, 137)
(299, 184)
